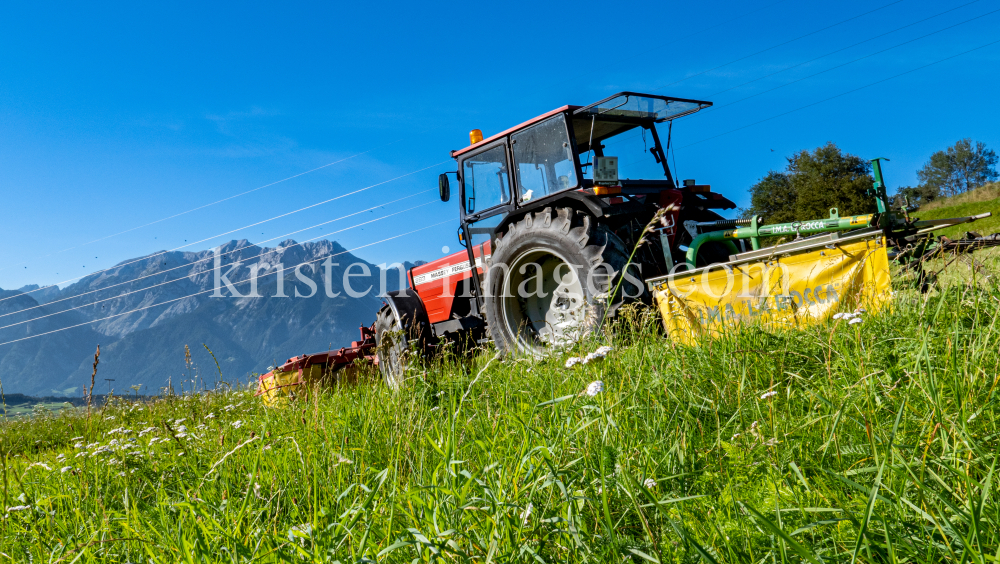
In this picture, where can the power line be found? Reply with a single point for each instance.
(164, 283)
(853, 60)
(939, 14)
(213, 289)
(843, 93)
(776, 46)
(211, 204)
(223, 254)
(231, 231)
(838, 66)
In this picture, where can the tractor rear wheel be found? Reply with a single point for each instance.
(550, 280)
(391, 345)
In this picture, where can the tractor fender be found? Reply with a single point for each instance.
(580, 201)
(409, 311)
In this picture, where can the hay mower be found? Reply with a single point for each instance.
(561, 220)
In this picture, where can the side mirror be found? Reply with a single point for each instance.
(444, 188)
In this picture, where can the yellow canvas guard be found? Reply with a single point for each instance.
(787, 291)
(278, 386)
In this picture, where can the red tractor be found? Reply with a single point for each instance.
(548, 222)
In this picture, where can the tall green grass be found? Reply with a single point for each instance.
(984, 198)
(871, 442)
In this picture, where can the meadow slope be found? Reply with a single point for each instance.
(870, 442)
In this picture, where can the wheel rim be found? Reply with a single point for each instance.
(553, 315)
(390, 356)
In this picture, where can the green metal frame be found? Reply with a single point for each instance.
(755, 231)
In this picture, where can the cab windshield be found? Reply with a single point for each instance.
(624, 126)
(635, 145)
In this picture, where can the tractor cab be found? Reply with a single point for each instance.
(609, 147)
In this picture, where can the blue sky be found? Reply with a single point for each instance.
(116, 116)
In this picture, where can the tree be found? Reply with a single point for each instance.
(770, 197)
(958, 169)
(812, 184)
(828, 178)
(915, 195)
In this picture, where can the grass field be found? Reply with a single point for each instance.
(872, 442)
(986, 198)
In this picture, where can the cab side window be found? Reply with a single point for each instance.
(544, 159)
(486, 178)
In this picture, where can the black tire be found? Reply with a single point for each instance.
(566, 309)
(391, 345)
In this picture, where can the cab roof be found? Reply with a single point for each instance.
(624, 106)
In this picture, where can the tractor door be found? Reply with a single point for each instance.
(486, 200)
(544, 160)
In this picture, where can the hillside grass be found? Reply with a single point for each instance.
(872, 442)
(982, 199)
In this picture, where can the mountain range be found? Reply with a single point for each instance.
(143, 312)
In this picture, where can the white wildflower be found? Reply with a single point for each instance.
(60, 458)
(18, 508)
(210, 416)
(229, 407)
(734, 437)
(79, 454)
(599, 354)
(109, 418)
(649, 483)
(181, 435)
(65, 469)
(838, 315)
(179, 421)
(766, 395)
(182, 429)
(92, 445)
(77, 439)
(526, 514)
(855, 320)
(237, 424)
(78, 445)
(38, 464)
(771, 442)
(573, 361)
(594, 388)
